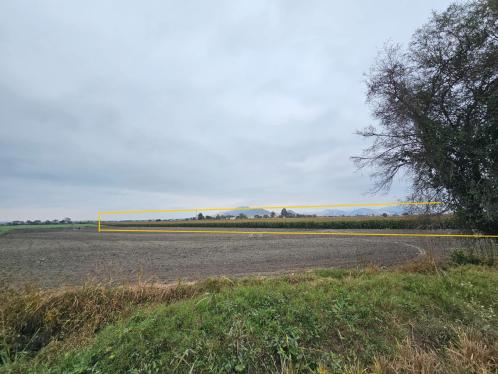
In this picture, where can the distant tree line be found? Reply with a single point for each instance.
(284, 213)
(40, 222)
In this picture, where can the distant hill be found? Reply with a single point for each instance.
(333, 213)
(248, 212)
(391, 210)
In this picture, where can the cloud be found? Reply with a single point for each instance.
(117, 105)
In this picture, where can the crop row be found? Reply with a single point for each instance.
(421, 223)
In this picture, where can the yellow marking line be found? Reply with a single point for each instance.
(266, 207)
(281, 232)
(334, 233)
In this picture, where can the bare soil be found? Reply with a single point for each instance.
(52, 258)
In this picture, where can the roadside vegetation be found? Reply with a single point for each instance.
(420, 317)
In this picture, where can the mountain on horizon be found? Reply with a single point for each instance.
(391, 210)
(248, 212)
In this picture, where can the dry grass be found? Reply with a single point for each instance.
(471, 353)
(31, 319)
(424, 264)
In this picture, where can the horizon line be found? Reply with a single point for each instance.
(317, 206)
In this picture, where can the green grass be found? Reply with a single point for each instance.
(6, 228)
(321, 321)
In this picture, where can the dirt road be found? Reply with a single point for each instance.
(58, 257)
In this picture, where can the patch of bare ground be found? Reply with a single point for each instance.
(55, 258)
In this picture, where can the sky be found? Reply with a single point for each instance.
(116, 105)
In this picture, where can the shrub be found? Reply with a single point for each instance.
(482, 253)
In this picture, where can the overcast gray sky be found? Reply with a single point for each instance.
(158, 104)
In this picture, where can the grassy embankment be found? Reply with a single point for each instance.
(357, 222)
(6, 228)
(419, 318)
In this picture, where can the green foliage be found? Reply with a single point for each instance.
(482, 253)
(462, 257)
(326, 320)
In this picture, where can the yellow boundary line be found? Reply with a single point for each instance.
(138, 211)
(306, 233)
(334, 233)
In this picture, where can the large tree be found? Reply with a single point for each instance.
(436, 105)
